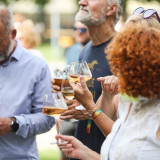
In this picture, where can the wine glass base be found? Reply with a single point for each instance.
(59, 141)
(54, 142)
(80, 107)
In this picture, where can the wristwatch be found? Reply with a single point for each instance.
(14, 124)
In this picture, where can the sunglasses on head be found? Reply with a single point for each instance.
(146, 13)
(82, 30)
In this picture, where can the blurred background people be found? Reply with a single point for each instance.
(81, 36)
(28, 37)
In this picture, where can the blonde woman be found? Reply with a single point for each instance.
(28, 37)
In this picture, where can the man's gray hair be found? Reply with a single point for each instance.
(7, 19)
(120, 4)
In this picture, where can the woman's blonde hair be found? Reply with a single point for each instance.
(29, 34)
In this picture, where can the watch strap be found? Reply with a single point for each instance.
(14, 124)
(13, 119)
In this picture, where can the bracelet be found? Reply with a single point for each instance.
(96, 114)
(92, 111)
(92, 115)
(90, 118)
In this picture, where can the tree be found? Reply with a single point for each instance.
(39, 2)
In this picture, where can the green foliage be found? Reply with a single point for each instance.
(49, 154)
(126, 3)
(150, 0)
(39, 2)
(77, 1)
(51, 54)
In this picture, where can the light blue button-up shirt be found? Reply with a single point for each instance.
(24, 79)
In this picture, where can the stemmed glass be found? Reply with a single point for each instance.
(66, 89)
(53, 105)
(79, 69)
(60, 73)
(61, 77)
(57, 75)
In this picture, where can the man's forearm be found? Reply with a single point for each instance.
(33, 124)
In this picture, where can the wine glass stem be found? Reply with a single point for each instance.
(58, 129)
(57, 126)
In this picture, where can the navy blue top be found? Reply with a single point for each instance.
(96, 59)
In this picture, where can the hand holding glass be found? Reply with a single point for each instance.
(79, 69)
(53, 105)
(60, 73)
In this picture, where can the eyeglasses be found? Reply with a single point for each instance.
(146, 13)
(81, 30)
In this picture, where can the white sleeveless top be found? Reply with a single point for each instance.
(135, 138)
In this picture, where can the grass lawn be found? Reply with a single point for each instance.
(51, 54)
(50, 154)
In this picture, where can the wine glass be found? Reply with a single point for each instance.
(61, 76)
(57, 75)
(60, 73)
(79, 69)
(66, 89)
(53, 105)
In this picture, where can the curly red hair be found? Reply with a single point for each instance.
(134, 56)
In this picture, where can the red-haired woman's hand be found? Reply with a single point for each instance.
(82, 93)
(109, 84)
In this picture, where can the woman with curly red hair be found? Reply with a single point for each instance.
(134, 56)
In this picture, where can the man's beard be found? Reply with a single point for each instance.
(88, 19)
(4, 56)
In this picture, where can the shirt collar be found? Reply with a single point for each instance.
(15, 55)
(17, 52)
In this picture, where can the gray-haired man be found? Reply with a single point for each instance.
(24, 79)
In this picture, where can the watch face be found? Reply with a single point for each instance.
(14, 126)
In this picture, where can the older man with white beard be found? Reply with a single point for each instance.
(24, 79)
(100, 16)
